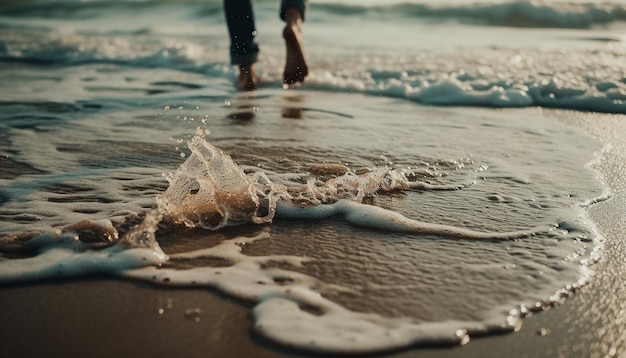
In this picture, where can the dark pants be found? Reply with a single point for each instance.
(240, 20)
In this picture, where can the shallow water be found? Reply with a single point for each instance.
(466, 170)
(494, 53)
(96, 109)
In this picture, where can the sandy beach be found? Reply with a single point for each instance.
(103, 317)
(449, 170)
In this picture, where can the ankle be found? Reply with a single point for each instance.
(247, 80)
(293, 17)
(246, 70)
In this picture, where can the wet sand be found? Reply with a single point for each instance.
(109, 317)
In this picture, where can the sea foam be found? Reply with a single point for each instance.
(210, 191)
(500, 76)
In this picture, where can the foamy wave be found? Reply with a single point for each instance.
(521, 13)
(69, 9)
(451, 90)
(291, 307)
(71, 49)
(516, 14)
(572, 79)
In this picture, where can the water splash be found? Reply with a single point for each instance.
(210, 191)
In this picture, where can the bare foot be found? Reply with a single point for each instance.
(247, 80)
(296, 68)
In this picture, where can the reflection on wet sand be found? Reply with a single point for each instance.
(245, 105)
(242, 107)
(292, 110)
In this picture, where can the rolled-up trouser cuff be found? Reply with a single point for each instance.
(298, 4)
(244, 55)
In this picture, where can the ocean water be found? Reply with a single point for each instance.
(412, 191)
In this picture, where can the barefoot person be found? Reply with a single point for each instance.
(244, 51)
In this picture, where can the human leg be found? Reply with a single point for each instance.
(296, 67)
(300, 5)
(243, 50)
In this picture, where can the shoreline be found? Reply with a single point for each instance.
(590, 322)
(108, 316)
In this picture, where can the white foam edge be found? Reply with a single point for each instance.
(64, 255)
(379, 218)
(281, 312)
